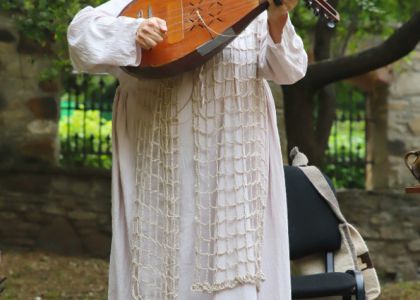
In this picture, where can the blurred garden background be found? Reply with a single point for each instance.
(355, 114)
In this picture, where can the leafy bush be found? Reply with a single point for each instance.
(85, 138)
(85, 127)
(346, 153)
(345, 157)
(46, 23)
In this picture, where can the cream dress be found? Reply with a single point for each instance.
(99, 42)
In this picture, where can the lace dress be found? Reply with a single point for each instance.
(198, 201)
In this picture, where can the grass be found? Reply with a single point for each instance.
(401, 291)
(41, 276)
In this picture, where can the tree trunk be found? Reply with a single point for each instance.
(312, 131)
(310, 134)
(326, 116)
(298, 110)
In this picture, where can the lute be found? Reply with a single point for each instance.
(198, 29)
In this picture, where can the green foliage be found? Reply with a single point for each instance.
(46, 22)
(360, 21)
(346, 154)
(88, 126)
(344, 177)
(85, 125)
(89, 87)
(348, 133)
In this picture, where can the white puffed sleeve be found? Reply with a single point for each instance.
(100, 41)
(285, 62)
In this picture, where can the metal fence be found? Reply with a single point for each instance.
(345, 159)
(85, 121)
(85, 129)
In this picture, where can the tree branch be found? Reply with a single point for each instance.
(399, 44)
(351, 29)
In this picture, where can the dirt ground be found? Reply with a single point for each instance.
(41, 276)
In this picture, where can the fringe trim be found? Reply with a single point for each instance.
(228, 284)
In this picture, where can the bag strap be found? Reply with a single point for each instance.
(319, 182)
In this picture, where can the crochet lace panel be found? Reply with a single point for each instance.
(229, 125)
(230, 163)
(155, 242)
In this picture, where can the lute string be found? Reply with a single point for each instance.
(205, 2)
(185, 16)
(201, 19)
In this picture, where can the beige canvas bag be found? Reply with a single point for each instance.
(354, 253)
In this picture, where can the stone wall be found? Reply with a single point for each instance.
(68, 212)
(62, 211)
(403, 130)
(28, 106)
(389, 221)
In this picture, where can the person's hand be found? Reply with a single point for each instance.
(277, 17)
(151, 32)
(277, 12)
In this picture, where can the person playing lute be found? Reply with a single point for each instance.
(198, 195)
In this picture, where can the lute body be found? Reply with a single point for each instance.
(197, 30)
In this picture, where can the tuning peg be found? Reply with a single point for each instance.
(331, 24)
(316, 11)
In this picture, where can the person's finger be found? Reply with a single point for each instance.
(150, 33)
(154, 32)
(159, 24)
(156, 36)
(145, 42)
(162, 25)
(154, 24)
(142, 44)
(150, 43)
